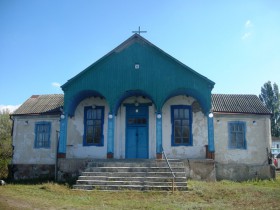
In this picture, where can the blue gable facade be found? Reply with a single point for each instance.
(135, 68)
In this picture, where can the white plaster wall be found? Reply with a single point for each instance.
(199, 131)
(120, 132)
(24, 137)
(258, 138)
(75, 132)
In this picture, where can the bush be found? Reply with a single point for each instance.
(6, 150)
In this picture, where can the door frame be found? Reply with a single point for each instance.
(146, 115)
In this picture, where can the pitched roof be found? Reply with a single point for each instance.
(223, 103)
(236, 103)
(41, 104)
(136, 38)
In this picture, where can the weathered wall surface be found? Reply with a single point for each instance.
(258, 138)
(32, 171)
(75, 132)
(75, 148)
(70, 169)
(243, 172)
(203, 170)
(24, 138)
(199, 131)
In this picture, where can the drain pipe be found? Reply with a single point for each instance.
(56, 152)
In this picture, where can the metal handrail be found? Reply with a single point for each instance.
(173, 179)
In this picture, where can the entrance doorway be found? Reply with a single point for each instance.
(137, 118)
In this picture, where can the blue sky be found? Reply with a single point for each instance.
(43, 43)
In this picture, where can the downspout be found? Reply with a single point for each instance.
(56, 152)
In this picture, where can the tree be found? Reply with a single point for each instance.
(5, 142)
(271, 99)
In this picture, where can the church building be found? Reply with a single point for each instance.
(137, 102)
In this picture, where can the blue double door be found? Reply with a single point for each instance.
(137, 138)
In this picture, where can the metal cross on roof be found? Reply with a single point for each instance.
(139, 31)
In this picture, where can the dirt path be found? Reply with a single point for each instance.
(10, 203)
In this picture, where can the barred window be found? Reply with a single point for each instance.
(181, 125)
(94, 118)
(237, 135)
(42, 134)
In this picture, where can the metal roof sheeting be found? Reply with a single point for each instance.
(238, 103)
(41, 104)
(224, 103)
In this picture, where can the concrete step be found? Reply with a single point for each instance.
(149, 183)
(141, 179)
(129, 187)
(134, 174)
(138, 163)
(134, 169)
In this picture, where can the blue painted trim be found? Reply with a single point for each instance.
(110, 135)
(211, 144)
(172, 122)
(147, 125)
(77, 98)
(128, 94)
(37, 124)
(63, 134)
(158, 133)
(204, 102)
(231, 123)
(101, 144)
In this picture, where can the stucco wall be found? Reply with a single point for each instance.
(258, 138)
(199, 131)
(75, 148)
(75, 132)
(24, 137)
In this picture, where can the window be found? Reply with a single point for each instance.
(42, 134)
(181, 119)
(237, 135)
(93, 121)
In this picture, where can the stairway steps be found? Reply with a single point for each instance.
(141, 175)
(134, 164)
(128, 187)
(133, 169)
(114, 178)
(98, 182)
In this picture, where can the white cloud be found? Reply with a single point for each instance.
(56, 84)
(10, 108)
(248, 24)
(246, 35)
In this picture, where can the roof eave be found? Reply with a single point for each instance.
(240, 113)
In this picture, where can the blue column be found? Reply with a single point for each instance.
(211, 145)
(63, 135)
(110, 136)
(158, 133)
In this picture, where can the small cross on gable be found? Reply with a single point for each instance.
(139, 31)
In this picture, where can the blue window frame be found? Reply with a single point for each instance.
(181, 119)
(93, 126)
(42, 135)
(237, 135)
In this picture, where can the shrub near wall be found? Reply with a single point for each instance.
(5, 143)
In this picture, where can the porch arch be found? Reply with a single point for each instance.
(74, 101)
(205, 103)
(128, 94)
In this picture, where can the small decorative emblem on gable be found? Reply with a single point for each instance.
(137, 66)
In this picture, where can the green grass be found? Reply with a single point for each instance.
(201, 195)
